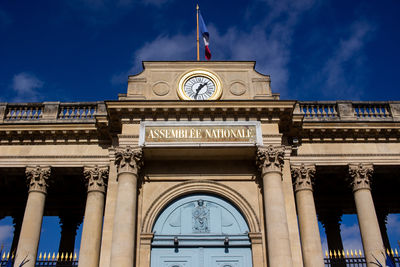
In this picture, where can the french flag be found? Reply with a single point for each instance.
(206, 36)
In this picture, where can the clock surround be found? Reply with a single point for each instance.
(199, 85)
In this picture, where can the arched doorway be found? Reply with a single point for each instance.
(200, 231)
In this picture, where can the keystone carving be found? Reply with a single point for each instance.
(129, 159)
(96, 178)
(303, 177)
(360, 176)
(37, 178)
(270, 158)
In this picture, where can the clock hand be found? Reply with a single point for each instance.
(199, 88)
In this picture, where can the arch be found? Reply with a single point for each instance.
(200, 186)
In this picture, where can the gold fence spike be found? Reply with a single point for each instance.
(351, 253)
(44, 256)
(334, 253)
(339, 254)
(54, 256)
(347, 253)
(57, 257)
(397, 253)
(360, 252)
(8, 255)
(4, 255)
(40, 256)
(343, 254)
(391, 251)
(12, 256)
(70, 256)
(355, 253)
(387, 251)
(75, 257)
(62, 256)
(326, 254)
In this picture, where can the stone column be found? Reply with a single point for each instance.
(382, 220)
(361, 175)
(308, 224)
(331, 219)
(129, 162)
(270, 161)
(69, 225)
(17, 222)
(30, 231)
(96, 178)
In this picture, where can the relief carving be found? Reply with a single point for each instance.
(129, 159)
(201, 218)
(303, 177)
(360, 176)
(96, 178)
(37, 178)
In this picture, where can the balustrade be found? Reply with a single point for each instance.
(28, 112)
(77, 111)
(372, 110)
(318, 110)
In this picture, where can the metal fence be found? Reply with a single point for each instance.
(47, 259)
(354, 258)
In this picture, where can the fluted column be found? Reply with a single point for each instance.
(129, 162)
(308, 224)
(30, 231)
(360, 179)
(270, 161)
(95, 178)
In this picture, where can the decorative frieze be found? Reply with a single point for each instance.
(360, 176)
(128, 159)
(96, 178)
(270, 158)
(303, 177)
(37, 178)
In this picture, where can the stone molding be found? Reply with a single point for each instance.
(203, 186)
(37, 178)
(360, 176)
(270, 158)
(128, 159)
(96, 178)
(303, 177)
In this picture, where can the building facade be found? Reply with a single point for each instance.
(200, 164)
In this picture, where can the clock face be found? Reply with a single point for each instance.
(199, 85)
(199, 88)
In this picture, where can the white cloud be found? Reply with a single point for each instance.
(339, 80)
(265, 42)
(25, 86)
(6, 233)
(351, 237)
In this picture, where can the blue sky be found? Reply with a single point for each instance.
(83, 50)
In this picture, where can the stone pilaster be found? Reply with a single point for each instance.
(360, 181)
(308, 224)
(270, 161)
(128, 161)
(37, 178)
(95, 178)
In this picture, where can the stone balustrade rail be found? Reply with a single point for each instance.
(348, 111)
(80, 112)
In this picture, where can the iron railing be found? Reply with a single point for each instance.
(354, 258)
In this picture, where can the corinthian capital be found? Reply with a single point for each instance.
(303, 177)
(37, 178)
(360, 176)
(129, 159)
(96, 178)
(270, 158)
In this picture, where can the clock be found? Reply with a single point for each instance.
(199, 85)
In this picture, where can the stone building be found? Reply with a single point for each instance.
(199, 164)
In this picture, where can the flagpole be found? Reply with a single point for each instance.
(197, 19)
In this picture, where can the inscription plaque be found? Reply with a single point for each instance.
(157, 133)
